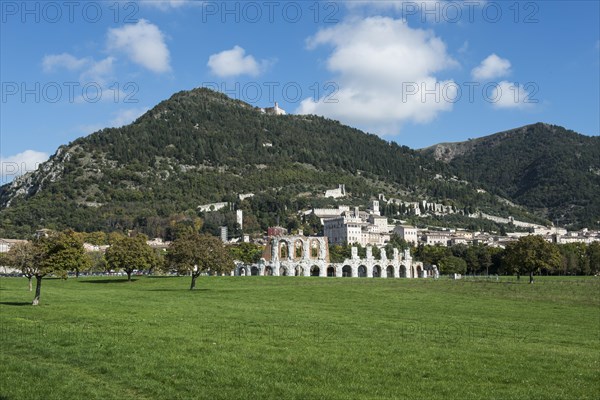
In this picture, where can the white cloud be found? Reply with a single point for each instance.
(88, 68)
(491, 68)
(125, 117)
(19, 164)
(431, 11)
(510, 95)
(398, 5)
(99, 71)
(143, 43)
(165, 5)
(235, 62)
(376, 61)
(52, 62)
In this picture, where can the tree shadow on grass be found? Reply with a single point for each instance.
(15, 303)
(107, 281)
(180, 290)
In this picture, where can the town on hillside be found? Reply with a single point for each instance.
(372, 240)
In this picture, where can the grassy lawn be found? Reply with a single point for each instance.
(300, 338)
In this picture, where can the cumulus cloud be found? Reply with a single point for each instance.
(432, 11)
(143, 43)
(19, 164)
(383, 69)
(491, 68)
(510, 95)
(399, 5)
(165, 5)
(235, 62)
(52, 62)
(88, 68)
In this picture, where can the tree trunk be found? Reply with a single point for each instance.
(76, 273)
(193, 286)
(29, 279)
(38, 289)
(531, 277)
(128, 275)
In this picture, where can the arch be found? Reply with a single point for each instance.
(282, 271)
(314, 249)
(298, 249)
(330, 271)
(242, 271)
(254, 271)
(268, 271)
(419, 271)
(390, 271)
(315, 271)
(347, 271)
(284, 250)
(362, 271)
(402, 271)
(377, 271)
(298, 271)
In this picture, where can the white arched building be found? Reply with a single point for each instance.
(309, 256)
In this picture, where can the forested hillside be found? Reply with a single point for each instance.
(200, 147)
(547, 168)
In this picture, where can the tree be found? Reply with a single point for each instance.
(339, 253)
(129, 254)
(399, 243)
(530, 254)
(247, 253)
(452, 265)
(432, 255)
(22, 256)
(593, 255)
(575, 259)
(194, 253)
(97, 261)
(57, 254)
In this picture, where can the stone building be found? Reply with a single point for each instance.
(408, 233)
(354, 226)
(6, 244)
(336, 193)
(309, 256)
(276, 110)
(436, 238)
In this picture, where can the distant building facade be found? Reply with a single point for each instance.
(309, 256)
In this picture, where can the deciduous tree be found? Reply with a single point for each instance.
(593, 254)
(246, 252)
(530, 254)
(57, 254)
(23, 257)
(196, 254)
(129, 254)
(452, 265)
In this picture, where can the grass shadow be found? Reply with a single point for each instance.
(162, 276)
(107, 281)
(180, 290)
(15, 303)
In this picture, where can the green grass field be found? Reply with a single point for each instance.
(300, 338)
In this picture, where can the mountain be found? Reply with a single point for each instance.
(553, 171)
(200, 147)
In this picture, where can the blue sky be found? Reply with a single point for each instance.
(415, 72)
